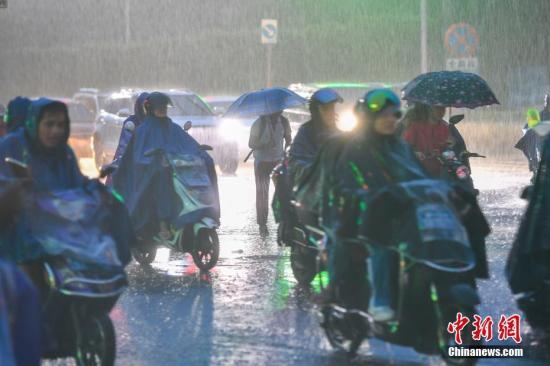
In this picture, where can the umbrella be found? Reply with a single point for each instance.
(450, 89)
(264, 102)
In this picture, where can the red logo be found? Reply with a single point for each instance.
(509, 327)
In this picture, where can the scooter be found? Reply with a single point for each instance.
(197, 196)
(419, 222)
(79, 276)
(297, 228)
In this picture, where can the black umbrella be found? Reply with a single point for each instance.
(455, 89)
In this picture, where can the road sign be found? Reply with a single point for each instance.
(3, 4)
(469, 64)
(461, 41)
(269, 31)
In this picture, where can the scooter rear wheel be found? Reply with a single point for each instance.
(97, 345)
(345, 332)
(303, 262)
(207, 249)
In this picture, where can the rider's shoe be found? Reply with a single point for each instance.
(263, 231)
(164, 231)
(381, 313)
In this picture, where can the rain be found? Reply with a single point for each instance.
(249, 309)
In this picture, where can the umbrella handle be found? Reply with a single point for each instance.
(248, 156)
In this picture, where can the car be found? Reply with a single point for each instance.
(350, 92)
(187, 106)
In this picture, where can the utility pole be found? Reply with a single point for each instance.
(127, 22)
(423, 36)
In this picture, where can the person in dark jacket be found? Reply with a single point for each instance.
(313, 134)
(43, 145)
(369, 160)
(16, 114)
(531, 143)
(528, 265)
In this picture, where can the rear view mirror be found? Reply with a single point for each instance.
(206, 147)
(454, 120)
(18, 168)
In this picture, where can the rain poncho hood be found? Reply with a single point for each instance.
(16, 113)
(126, 134)
(50, 169)
(143, 180)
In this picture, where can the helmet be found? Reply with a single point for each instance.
(533, 117)
(156, 100)
(326, 96)
(377, 100)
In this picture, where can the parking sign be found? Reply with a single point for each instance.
(269, 31)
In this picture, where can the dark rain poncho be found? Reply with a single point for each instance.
(370, 164)
(311, 136)
(146, 183)
(529, 260)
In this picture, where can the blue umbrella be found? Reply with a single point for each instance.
(264, 102)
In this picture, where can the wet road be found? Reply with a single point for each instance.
(249, 310)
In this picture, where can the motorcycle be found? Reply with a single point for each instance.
(197, 197)
(296, 229)
(419, 222)
(78, 273)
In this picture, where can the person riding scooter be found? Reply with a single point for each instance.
(304, 149)
(148, 177)
(371, 159)
(313, 134)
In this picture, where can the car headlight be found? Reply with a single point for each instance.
(230, 129)
(346, 122)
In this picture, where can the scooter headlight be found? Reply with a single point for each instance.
(346, 122)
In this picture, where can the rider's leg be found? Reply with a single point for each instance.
(379, 274)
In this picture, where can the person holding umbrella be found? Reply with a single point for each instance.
(431, 94)
(267, 136)
(428, 135)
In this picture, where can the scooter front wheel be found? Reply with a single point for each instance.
(207, 249)
(97, 345)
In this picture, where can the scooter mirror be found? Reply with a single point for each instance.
(206, 147)
(454, 120)
(129, 126)
(18, 168)
(187, 126)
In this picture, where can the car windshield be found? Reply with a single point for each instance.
(78, 112)
(221, 106)
(188, 105)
